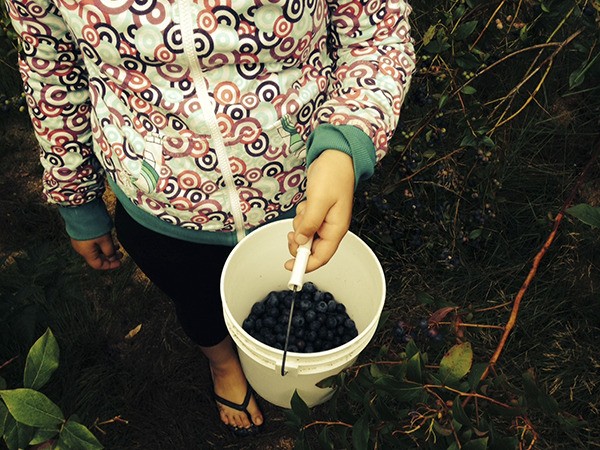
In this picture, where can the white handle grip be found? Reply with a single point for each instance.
(302, 254)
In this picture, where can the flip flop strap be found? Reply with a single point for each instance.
(243, 407)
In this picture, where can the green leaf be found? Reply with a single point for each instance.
(324, 440)
(469, 141)
(429, 35)
(587, 214)
(2, 385)
(424, 298)
(299, 407)
(411, 349)
(75, 435)
(41, 362)
(465, 30)
(437, 46)
(475, 376)
(523, 33)
(361, 433)
(16, 435)
(468, 61)
(429, 153)
(488, 142)
(477, 444)
(32, 408)
(475, 234)
(443, 100)
(459, 414)
(468, 90)
(456, 363)
(414, 369)
(3, 416)
(41, 435)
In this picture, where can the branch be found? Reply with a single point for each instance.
(536, 263)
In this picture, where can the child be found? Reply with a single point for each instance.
(202, 116)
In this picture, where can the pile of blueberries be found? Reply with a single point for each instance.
(319, 322)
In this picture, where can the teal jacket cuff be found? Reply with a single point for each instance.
(345, 138)
(87, 221)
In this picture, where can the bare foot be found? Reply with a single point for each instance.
(230, 383)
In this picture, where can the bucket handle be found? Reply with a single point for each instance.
(291, 368)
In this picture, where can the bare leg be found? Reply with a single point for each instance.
(230, 383)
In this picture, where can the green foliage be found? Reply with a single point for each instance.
(396, 403)
(28, 417)
(587, 214)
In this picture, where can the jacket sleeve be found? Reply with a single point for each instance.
(373, 57)
(56, 84)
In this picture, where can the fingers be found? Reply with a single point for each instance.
(99, 253)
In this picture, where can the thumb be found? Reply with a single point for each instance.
(311, 218)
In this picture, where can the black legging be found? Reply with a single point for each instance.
(188, 273)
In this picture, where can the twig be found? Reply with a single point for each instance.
(473, 325)
(6, 363)
(536, 262)
(487, 25)
(324, 422)
(515, 89)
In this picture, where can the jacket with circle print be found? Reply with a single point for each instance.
(198, 110)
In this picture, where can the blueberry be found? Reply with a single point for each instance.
(399, 334)
(340, 308)
(318, 296)
(337, 341)
(306, 296)
(331, 322)
(278, 345)
(331, 306)
(309, 287)
(258, 308)
(340, 330)
(258, 324)
(321, 306)
(438, 338)
(280, 337)
(349, 323)
(304, 305)
(273, 312)
(311, 335)
(292, 348)
(309, 348)
(248, 325)
(423, 324)
(329, 335)
(299, 333)
(300, 344)
(272, 300)
(327, 296)
(279, 328)
(322, 333)
(269, 322)
(318, 345)
(298, 321)
(287, 301)
(432, 332)
(284, 318)
(315, 325)
(310, 315)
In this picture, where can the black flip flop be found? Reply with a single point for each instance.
(243, 407)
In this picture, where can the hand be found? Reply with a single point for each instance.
(327, 209)
(100, 253)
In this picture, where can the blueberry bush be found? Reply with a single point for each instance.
(498, 129)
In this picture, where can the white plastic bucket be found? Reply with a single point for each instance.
(255, 267)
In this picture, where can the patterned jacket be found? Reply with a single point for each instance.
(197, 112)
